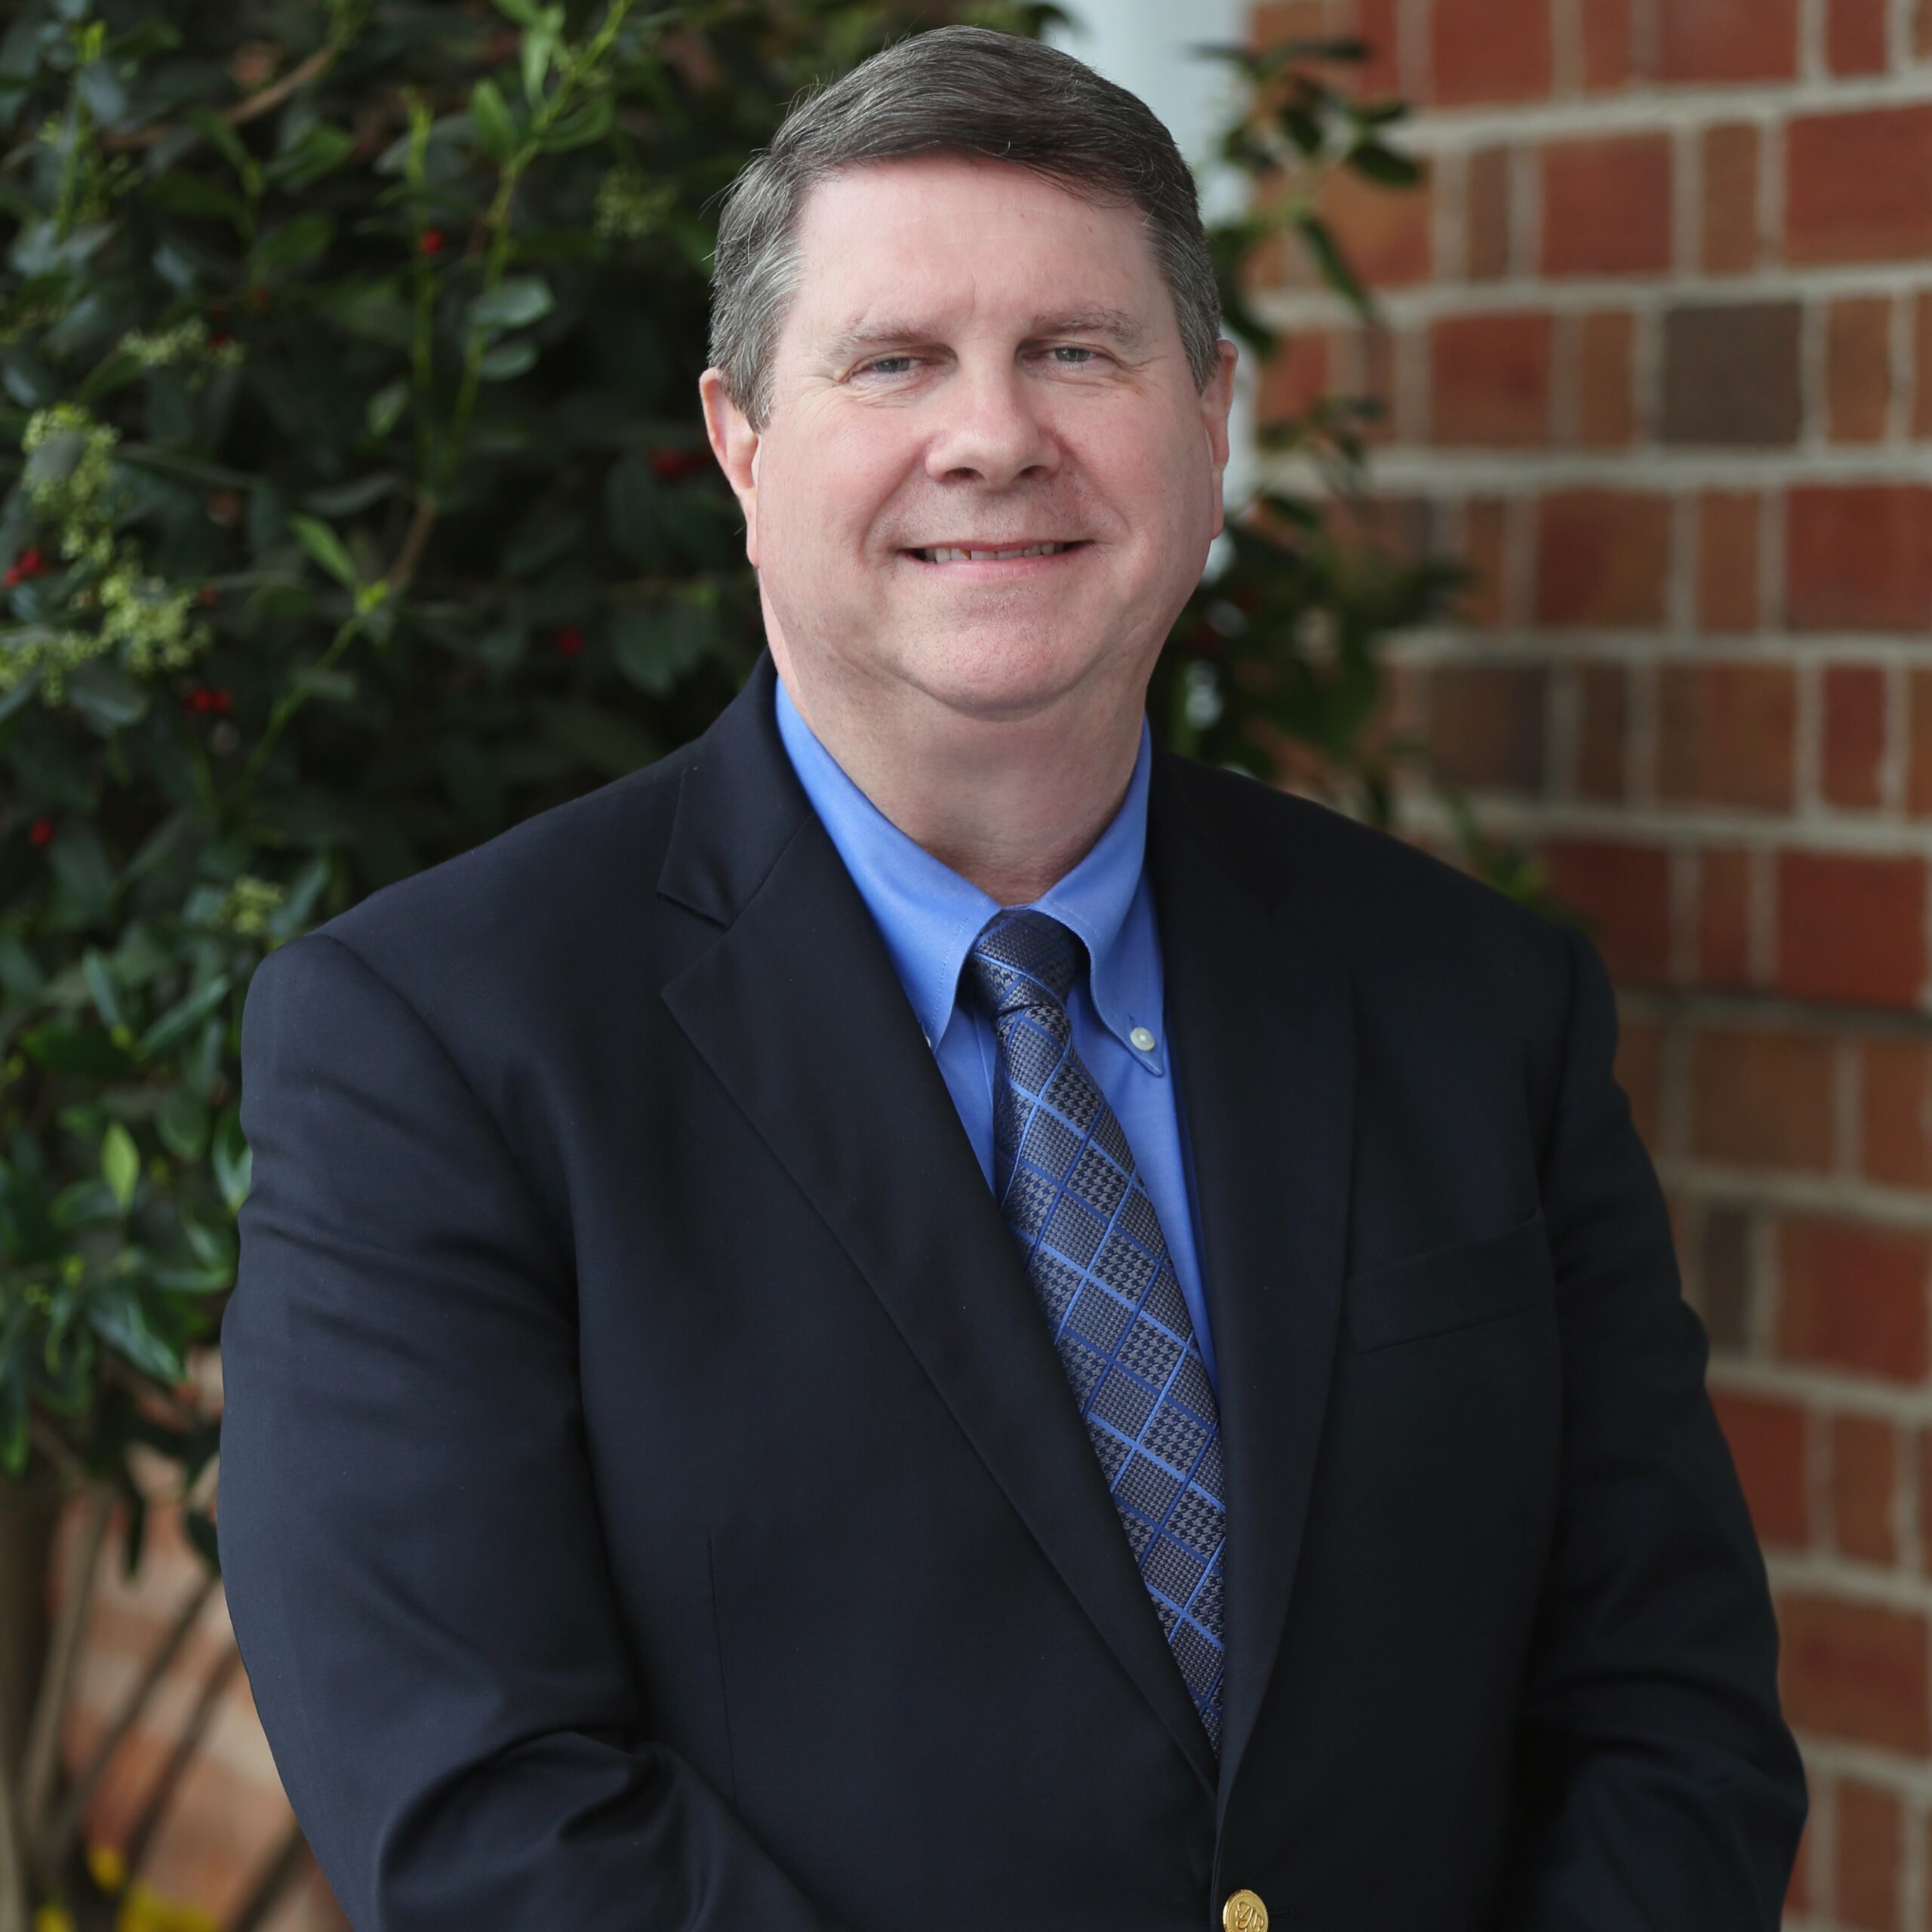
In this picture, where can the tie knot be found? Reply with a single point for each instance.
(1022, 959)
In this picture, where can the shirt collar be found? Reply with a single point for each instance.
(929, 915)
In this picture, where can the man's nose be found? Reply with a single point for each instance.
(990, 427)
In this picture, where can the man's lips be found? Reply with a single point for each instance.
(978, 555)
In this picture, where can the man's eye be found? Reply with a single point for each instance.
(1071, 349)
(879, 368)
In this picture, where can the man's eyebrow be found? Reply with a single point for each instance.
(1098, 320)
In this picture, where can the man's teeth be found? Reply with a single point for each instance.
(989, 556)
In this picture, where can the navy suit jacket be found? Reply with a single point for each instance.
(650, 1499)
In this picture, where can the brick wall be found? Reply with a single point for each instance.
(1658, 363)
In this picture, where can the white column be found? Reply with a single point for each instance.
(1142, 46)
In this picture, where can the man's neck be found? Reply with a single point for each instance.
(1012, 804)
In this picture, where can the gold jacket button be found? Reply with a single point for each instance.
(1245, 1912)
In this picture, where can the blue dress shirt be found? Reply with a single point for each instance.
(929, 917)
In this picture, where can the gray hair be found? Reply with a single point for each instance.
(964, 91)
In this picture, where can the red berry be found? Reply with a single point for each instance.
(431, 240)
(208, 594)
(570, 640)
(219, 340)
(42, 831)
(11, 576)
(222, 701)
(32, 563)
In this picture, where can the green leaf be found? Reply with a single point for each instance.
(294, 241)
(1373, 162)
(120, 1163)
(495, 128)
(234, 1159)
(182, 1124)
(515, 301)
(386, 406)
(327, 548)
(590, 122)
(221, 135)
(87, 1050)
(539, 45)
(101, 989)
(185, 1015)
(1332, 263)
(524, 12)
(656, 644)
(507, 359)
(115, 1314)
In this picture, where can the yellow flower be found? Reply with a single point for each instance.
(53, 1918)
(106, 1867)
(144, 1911)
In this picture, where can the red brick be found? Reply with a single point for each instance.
(1921, 357)
(1727, 40)
(1871, 1830)
(1851, 927)
(1626, 889)
(1378, 23)
(1731, 374)
(1608, 45)
(1731, 244)
(1724, 919)
(1896, 1120)
(1293, 377)
(1603, 558)
(1384, 231)
(1491, 50)
(1855, 40)
(1727, 526)
(1490, 379)
(1855, 186)
(1375, 381)
(1864, 1475)
(1604, 693)
(1918, 739)
(1853, 1296)
(1858, 556)
(1606, 206)
(1486, 724)
(1767, 1439)
(1486, 214)
(1606, 395)
(1854, 734)
(1273, 21)
(1858, 369)
(1485, 552)
(1761, 1098)
(1727, 733)
(1854, 1670)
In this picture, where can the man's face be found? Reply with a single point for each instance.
(974, 358)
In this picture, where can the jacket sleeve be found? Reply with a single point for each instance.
(1659, 1782)
(411, 1548)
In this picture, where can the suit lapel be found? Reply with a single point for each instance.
(1258, 1013)
(798, 1013)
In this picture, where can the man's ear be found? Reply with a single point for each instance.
(734, 442)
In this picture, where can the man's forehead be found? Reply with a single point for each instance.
(888, 264)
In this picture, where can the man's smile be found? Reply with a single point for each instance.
(1006, 558)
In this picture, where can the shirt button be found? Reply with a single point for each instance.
(1143, 1041)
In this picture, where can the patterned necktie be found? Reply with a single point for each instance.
(1065, 1182)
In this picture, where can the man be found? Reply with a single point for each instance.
(923, 1315)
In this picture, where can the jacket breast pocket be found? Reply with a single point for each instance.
(1447, 1288)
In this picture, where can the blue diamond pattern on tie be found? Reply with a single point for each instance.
(1067, 1186)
